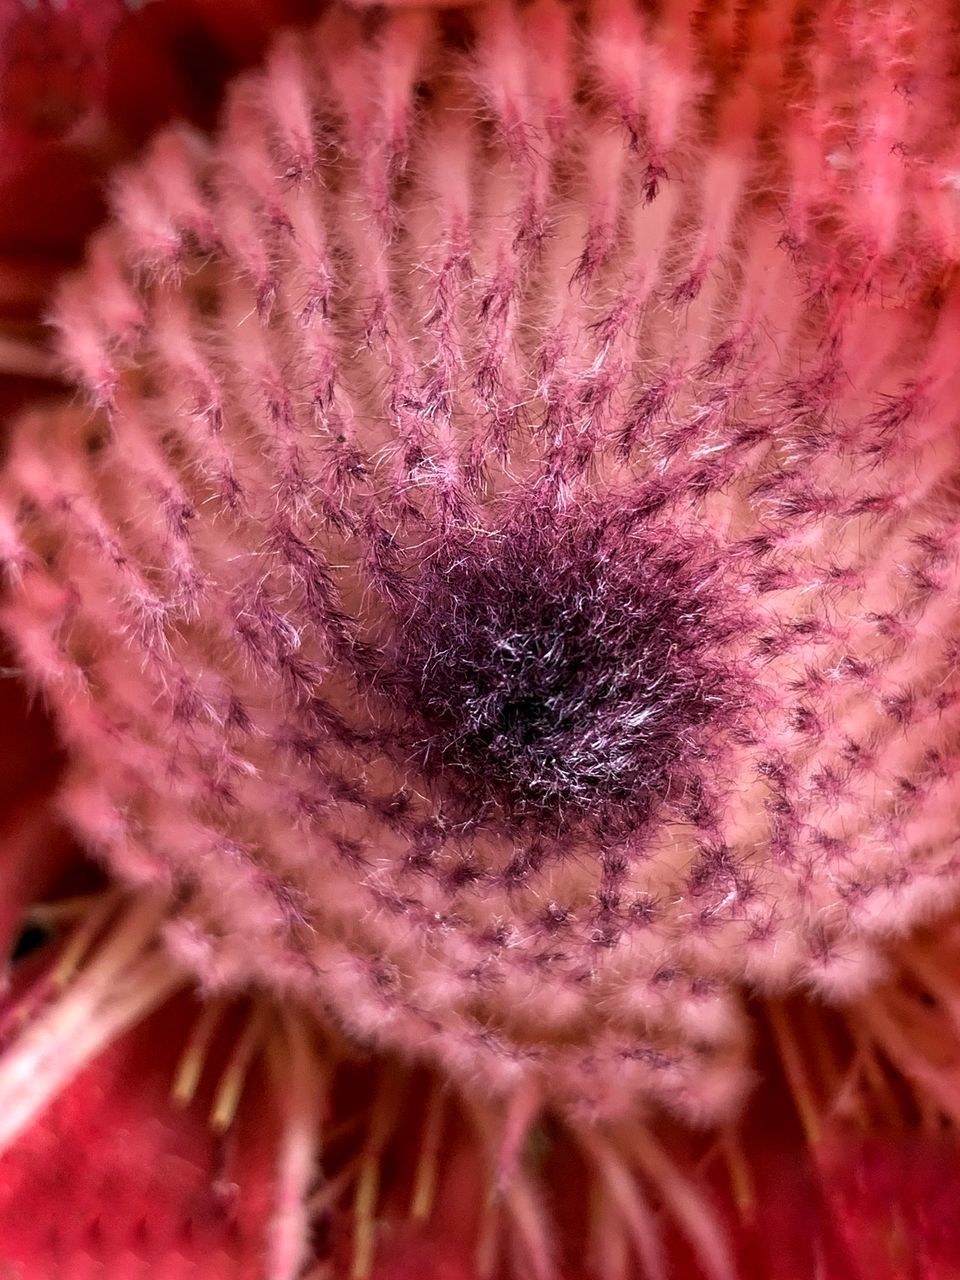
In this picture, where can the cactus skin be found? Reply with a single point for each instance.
(467, 331)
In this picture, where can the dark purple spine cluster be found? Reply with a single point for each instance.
(568, 666)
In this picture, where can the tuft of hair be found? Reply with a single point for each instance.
(567, 665)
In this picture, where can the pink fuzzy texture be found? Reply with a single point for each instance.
(463, 325)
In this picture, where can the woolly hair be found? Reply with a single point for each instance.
(503, 594)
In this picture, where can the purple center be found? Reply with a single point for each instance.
(566, 667)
